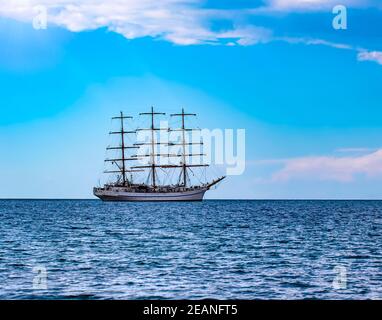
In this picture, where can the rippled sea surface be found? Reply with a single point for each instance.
(214, 249)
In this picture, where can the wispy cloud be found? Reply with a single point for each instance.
(316, 42)
(342, 169)
(374, 56)
(362, 54)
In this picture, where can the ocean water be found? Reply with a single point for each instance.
(215, 249)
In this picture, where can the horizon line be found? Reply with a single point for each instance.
(248, 199)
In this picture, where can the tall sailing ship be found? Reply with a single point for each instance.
(124, 187)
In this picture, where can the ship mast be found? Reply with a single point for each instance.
(122, 168)
(123, 150)
(184, 143)
(153, 143)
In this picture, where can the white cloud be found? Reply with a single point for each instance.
(317, 42)
(343, 169)
(182, 22)
(375, 56)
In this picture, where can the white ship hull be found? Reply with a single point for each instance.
(121, 195)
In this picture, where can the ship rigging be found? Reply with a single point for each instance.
(126, 189)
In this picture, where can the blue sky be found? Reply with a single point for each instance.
(309, 96)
